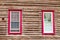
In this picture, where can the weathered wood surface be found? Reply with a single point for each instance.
(28, 38)
(32, 18)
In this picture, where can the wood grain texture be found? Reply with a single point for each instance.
(32, 18)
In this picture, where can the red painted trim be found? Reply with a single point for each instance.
(9, 21)
(53, 23)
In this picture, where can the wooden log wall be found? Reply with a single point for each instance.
(32, 18)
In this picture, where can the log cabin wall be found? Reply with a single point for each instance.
(32, 18)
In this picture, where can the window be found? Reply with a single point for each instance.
(15, 21)
(48, 27)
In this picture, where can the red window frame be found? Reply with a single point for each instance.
(43, 23)
(9, 21)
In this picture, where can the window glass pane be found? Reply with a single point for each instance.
(48, 27)
(14, 21)
(14, 24)
(14, 16)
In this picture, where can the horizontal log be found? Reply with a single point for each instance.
(31, 32)
(28, 19)
(4, 26)
(32, 27)
(26, 33)
(31, 2)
